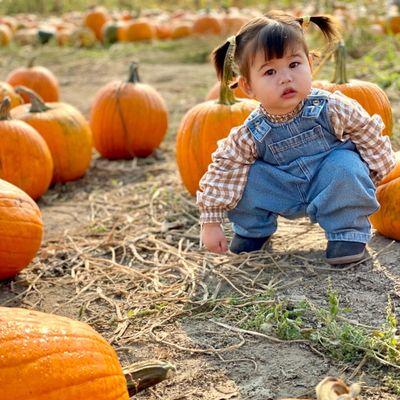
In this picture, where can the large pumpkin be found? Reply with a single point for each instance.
(203, 126)
(387, 219)
(21, 230)
(66, 132)
(49, 357)
(25, 158)
(39, 79)
(128, 119)
(369, 95)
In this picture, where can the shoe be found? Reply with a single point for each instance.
(343, 252)
(240, 244)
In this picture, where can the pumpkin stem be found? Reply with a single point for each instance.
(37, 103)
(5, 107)
(133, 73)
(226, 95)
(340, 76)
(141, 375)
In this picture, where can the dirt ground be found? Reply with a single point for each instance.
(121, 253)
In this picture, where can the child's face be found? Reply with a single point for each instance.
(279, 84)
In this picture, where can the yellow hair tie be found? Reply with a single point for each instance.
(306, 21)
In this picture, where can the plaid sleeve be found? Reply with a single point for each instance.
(221, 187)
(350, 121)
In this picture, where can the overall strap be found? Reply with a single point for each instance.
(257, 124)
(315, 103)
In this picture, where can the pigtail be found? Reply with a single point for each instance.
(218, 57)
(327, 24)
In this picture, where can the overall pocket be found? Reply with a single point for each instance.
(304, 144)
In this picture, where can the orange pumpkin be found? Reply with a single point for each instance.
(39, 79)
(21, 229)
(5, 35)
(128, 119)
(207, 24)
(387, 219)
(66, 132)
(204, 125)
(7, 90)
(214, 92)
(57, 358)
(391, 25)
(25, 158)
(181, 30)
(95, 18)
(369, 95)
(140, 29)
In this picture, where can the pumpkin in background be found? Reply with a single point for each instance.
(203, 126)
(7, 90)
(181, 30)
(214, 92)
(58, 358)
(25, 158)
(128, 119)
(207, 24)
(5, 35)
(21, 229)
(387, 219)
(40, 79)
(95, 18)
(65, 130)
(140, 29)
(391, 24)
(371, 97)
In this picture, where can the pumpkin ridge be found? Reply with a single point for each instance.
(121, 117)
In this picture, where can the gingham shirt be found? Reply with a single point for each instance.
(222, 186)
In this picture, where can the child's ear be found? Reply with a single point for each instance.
(244, 85)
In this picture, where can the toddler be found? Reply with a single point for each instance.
(303, 151)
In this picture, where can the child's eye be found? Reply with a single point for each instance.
(269, 72)
(294, 64)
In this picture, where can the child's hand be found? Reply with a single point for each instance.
(213, 237)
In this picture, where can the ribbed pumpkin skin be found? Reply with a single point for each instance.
(199, 132)
(25, 158)
(387, 219)
(48, 357)
(40, 79)
(21, 230)
(368, 94)
(7, 90)
(128, 120)
(67, 134)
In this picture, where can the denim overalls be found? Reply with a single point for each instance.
(303, 169)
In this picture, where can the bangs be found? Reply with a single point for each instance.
(275, 39)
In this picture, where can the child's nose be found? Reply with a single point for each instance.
(286, 77)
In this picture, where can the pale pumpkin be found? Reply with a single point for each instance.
(21, 229)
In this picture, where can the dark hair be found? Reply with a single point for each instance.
(272, 33)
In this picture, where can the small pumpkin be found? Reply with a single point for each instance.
(203, 126)
(207, 24)
(6, 90)
(21, 229)
(128, 119)
(140, 29)
(39, 79)
(25, 158)
(57, 358)
(95, 18)
(387, 219)
(5, 35)
(65, 130)
(368, 94)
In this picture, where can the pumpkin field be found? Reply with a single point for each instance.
(101, 268)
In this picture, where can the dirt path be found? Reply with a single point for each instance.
(121, 253)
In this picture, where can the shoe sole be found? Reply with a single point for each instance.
(346, 259)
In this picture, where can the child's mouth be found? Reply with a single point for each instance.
(288, 93)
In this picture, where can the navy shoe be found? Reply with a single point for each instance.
(343, 252)
(240, 244)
